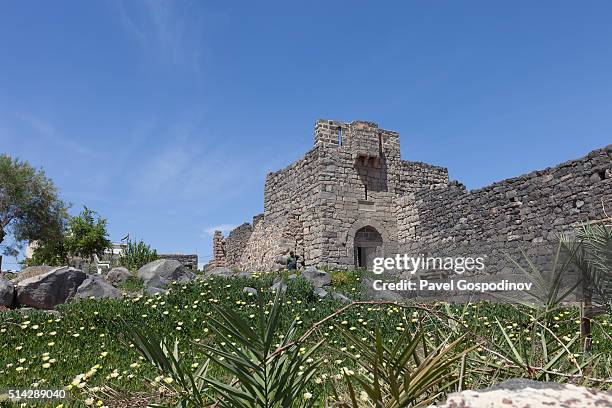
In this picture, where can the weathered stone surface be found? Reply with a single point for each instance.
(32, 271)
(519, 393)
(281, 260)
(278, 285)
(152, 291)
(320, 292)
(220, 271)
(7, 293)
(317, 277)
(96, 287)
(342, 298)
(119, 275)
(188, 261)
(163, 272)
(50, 289)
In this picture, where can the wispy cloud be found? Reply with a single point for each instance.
(169, 29)
(189, 164)
(50, 134)
(224, 228)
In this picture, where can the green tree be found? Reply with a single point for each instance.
(51, 252)
(87, 235)
(137, 254)
(30, 208)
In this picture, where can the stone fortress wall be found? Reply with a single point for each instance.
(529, 208)
(352, 198)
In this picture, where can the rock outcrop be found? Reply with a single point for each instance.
(317, 277)
(7, 293)
(117, 276)
(50, 289)
(32, 271)
(162, 272)
(95, 287)
(521, 393)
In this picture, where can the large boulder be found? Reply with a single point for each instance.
(97, 288)
(50, 289)
(117, 276)
(7, 293)
(317, 277)
(32, 271)
(529, 393)
(163, 272)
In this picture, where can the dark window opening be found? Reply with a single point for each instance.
(368, 245)
(366, 191)
(359, 258)
(602, 174)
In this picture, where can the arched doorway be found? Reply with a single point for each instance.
(368, 245)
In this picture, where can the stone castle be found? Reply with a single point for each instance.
(352, 198)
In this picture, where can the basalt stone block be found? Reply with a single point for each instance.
(50, 289)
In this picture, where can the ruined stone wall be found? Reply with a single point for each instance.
(354, 178)
(524, 213)
(188, 261)
(290, 215)
(416, 175)
(219, 258)
(506, 221)
(520, 212)
(235, 243)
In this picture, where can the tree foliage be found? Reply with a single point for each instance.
(592, 247)
(87, 234)
(137, 254)
(84, 236)
(30, 208)
(51, 252)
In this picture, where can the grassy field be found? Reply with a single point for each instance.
(85, 350)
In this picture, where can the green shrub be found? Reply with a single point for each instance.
(342, 278)
(132, 284)
(300, 288)
(136, 255)
(51, 253)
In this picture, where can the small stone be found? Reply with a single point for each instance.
(342, 298)
(320, 292)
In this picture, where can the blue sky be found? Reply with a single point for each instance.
(166, 116)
